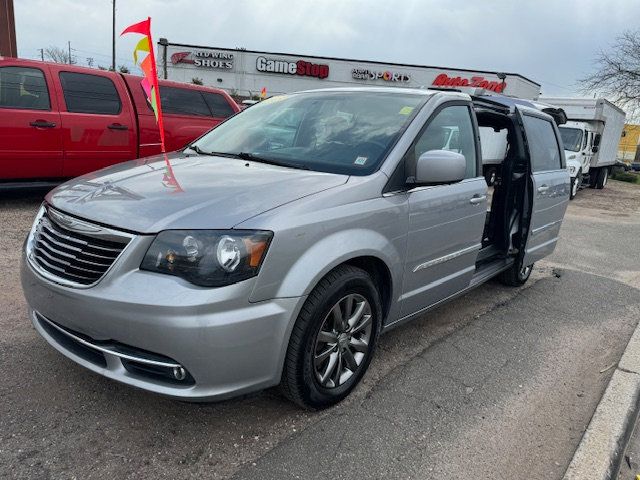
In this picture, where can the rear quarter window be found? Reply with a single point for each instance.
(86, 93)
(543, 144)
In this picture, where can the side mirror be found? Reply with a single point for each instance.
(594, 149)
(440, 166)
(596, 140)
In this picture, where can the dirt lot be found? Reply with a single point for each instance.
(497, 384)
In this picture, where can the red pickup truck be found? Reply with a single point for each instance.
(59, 121)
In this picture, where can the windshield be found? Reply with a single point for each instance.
(572, 138)
(337, 132)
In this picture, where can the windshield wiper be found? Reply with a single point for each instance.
(246, 156)
(271, 161)
(197, 149)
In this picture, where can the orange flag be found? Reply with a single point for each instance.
(148, 67)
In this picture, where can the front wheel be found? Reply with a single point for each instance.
(575, 186)
(517, 275)
(333, 339)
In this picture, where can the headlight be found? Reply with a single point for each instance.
(208, 258)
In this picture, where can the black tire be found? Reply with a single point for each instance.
(300, 382)
(517, 275)
(601, 179)
(575, 186)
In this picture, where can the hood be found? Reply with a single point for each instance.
(179, 191)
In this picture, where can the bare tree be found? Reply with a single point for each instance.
(124, 69)
(617, 72)
(58, 55)
(196, 81)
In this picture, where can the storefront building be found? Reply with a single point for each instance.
(246, 73)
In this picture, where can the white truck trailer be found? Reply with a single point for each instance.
(591, 137)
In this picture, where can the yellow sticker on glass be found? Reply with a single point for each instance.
(405, 110)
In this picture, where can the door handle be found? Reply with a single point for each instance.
(543, 188)
(42, 124)
(476, 199)
(118, 126)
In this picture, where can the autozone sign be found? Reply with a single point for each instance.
(300, 67)
(444, 80)
(387, 76)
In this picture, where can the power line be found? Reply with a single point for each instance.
(122, 60)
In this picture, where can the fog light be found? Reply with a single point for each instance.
(179, 373)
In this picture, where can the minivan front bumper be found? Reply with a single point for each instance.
(139, 327)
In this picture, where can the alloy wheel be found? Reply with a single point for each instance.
(343, 341)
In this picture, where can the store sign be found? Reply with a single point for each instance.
(205, 59)
(443, 80)
(301, 67)
(387, 76)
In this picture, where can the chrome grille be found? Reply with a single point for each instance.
(72, 251)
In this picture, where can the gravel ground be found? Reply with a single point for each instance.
(499, 383)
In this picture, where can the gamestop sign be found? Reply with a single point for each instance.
(444, 80)
(300, 67)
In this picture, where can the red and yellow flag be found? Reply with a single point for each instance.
(148, 67)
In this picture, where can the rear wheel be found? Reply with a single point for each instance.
(333, 340)
(517, 275)
(601, 179)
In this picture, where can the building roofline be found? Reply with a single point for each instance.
(375, 62)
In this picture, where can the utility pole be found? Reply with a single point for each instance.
(69, 44)
(113, 38)
(41, 53)
(7, 30)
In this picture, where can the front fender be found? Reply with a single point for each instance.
(334, 250)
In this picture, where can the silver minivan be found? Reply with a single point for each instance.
(276, 248)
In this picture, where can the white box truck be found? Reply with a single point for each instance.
(591, 137)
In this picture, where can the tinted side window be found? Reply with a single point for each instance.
(543, 145)
(183, 101)
(451, 129)
(218, 104)
(86, 93)
(22, 87)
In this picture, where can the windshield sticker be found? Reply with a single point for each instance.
(405, 110)
(361, 160)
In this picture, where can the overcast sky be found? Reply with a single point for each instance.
(549, 41)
